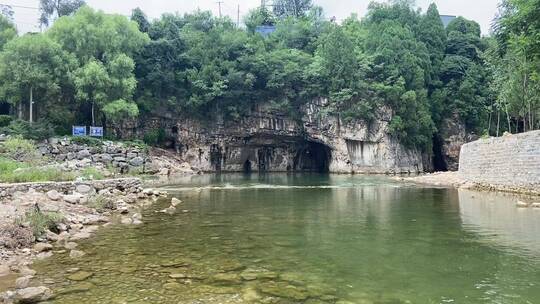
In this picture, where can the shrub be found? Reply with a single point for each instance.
(39, 222)
(154, 137)
(87, 140)
(38, 130)
(5, 120)
(20, 149)
(100, 203)
(13, 236)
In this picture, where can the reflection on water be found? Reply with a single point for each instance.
(311, 239)
(496, 218)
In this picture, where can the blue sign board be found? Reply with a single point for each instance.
(96, 131)
(79, 130)
(265, 30)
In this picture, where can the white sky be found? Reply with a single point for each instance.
(482, 11)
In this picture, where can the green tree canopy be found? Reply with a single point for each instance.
(7, 31)
(57, 8)
(32, 68)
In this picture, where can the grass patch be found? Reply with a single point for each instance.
(91, 173)
(40, 222)
(20, 149)
(100, 203)
(12, 171)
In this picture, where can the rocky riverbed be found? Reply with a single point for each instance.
(38, 220)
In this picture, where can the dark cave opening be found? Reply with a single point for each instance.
(314, 157)
(247, 167)
(439, 163)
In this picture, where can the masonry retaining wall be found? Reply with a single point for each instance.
(509, 163)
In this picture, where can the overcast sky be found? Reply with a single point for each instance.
(482, 11)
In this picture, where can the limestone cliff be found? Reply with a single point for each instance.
(269, 140)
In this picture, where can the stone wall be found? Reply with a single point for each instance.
(7, 190)
(74, 156)
(511, 162)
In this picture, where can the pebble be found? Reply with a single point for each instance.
(75, 254)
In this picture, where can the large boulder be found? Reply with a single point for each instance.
(33, 295)
(53, 195)
(136, 161)
(83, 154)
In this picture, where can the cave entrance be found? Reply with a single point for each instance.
(247, 167)
(314, 157)
(439, 163)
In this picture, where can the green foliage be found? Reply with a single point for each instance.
(5, 120)
(17, 172)
(51, 8)
(87, 140)
(91, 173)
(36, 131)
(40, 222)
(292, 8)
(154, 137)
(100, 203)
(258, 17)
(7, 31)
(32, 65)
(19, 149)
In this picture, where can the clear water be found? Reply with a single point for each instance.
(311, 239)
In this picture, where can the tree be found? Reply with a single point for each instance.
(91, 84)
(7, 31)
(103, 45)
(7, 12)
(464, 75)
(518, 35)
(292, 8)
(90, 34)
(30, 66)
(258, 17)
(57, 8)
(139, 16)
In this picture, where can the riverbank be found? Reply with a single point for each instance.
(38, 220)
(455, 180)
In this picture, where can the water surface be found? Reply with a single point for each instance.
(311, 239)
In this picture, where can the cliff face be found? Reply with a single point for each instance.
(267, 140)
(453, 136)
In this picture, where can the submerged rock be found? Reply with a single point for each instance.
(75, 254)
(231, 278)
(80, 276)
(284, 290)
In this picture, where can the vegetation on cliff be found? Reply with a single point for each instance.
(95, 68)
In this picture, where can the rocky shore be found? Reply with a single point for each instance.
(38, 220)
(525, 198)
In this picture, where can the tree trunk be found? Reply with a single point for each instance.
(19, 110)
(508, 118)
(93, 117)
(31, 119)
(498, 121)
(489, 122)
